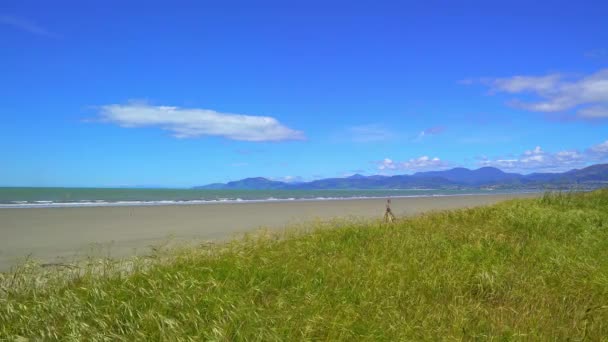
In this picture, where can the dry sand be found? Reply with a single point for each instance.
(64, 234)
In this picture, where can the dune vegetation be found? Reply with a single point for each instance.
(532, 269)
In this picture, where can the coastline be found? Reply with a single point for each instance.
(62, 234)
(68, 199)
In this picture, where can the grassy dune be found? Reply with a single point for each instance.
(523, 269)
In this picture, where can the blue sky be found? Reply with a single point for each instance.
(177, 93)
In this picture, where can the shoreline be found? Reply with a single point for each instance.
(136, 203)
(64, 234)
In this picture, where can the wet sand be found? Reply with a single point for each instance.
(52, 235)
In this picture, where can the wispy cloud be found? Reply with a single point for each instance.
(538, 159)
(595, 112)
(411, 165)
(435, 130)
(597, 54)
(246, 152)
(26, 25)
(533, 160)
(370, 133)
(599, 150)
(289, 179)
(587, 96)
(194, 122)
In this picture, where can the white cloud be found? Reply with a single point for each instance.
(387, 164)
(533, 160)
(518, 84)
(599, 149)
(538, 159)
(26, 25)
(416, 164)
(289, 179)
(587, 95)
(188, 123)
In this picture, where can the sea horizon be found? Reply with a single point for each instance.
(52, 197)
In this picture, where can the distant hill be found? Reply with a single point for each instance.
(257, 183)
(589, 174)
(459, 177)
(484, 175)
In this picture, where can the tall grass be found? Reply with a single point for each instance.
(524, 269)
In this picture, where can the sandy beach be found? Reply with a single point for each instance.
(65, 234)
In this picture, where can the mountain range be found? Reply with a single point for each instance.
(485, 177)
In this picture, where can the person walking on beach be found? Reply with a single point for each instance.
(388, 214)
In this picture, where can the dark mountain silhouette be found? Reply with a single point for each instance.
(257, 183)
(484, 175)
(592, 176)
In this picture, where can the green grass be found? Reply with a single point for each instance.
(521, 270)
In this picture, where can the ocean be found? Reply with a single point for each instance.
(76, 197)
